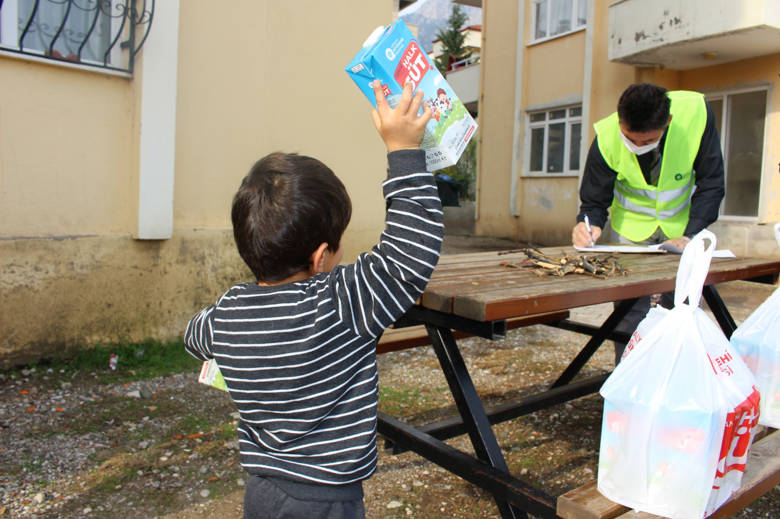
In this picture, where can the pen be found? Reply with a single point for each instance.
(587, 226)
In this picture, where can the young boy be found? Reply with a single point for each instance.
(297, 346)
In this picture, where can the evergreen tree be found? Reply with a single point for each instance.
(452, 40)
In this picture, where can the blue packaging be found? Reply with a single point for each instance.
(393, 56)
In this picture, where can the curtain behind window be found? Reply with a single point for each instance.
(78, 17)
(560, 16)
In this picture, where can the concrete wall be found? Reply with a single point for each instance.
(252, 78)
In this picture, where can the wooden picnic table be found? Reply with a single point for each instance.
(476, 293)
(479, 287)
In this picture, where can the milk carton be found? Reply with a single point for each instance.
(393, 56)
(211, 376)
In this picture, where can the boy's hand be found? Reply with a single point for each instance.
(401, 128)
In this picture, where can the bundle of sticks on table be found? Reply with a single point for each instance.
(543, 265)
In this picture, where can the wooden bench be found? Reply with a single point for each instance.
(395, 339)
(761, 475)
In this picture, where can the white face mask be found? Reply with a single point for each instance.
(638, 150)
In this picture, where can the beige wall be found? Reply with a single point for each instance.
(547, 206)
(608, 79)
(66, 151)
(257, 78)
(554, 69)
(544, 208)
(276, 84)
(496, 119)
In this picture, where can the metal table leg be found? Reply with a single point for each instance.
(593, 344)
(471, 409)
(719, 310)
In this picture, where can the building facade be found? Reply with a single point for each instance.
(117, 174)
(551, 68)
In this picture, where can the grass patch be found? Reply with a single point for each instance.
(108, 483)
(136, 361)
(195, 423)
(226, 432)
(398, 401)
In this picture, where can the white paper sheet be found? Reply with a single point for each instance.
(645, 249)
(623, 248)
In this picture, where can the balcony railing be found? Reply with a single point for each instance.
(464, 62)
(105, 34)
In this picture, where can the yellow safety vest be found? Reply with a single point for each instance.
(638, 209)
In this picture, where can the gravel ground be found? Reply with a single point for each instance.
(166, 447)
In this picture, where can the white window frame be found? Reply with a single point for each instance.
(9, 42)
(569, 120)
(722, 95)
(575, 28)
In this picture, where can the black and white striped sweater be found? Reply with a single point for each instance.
(299, 359)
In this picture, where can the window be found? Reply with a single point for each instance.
(101, 33)
(556, 17)
(555, 141)
(739, 117)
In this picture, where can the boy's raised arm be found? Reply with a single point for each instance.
(380, 287)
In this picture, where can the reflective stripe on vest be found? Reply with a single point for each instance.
(660, 196)
(638, 209)
(651, 210)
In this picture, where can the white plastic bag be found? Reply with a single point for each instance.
(758, 341)
(679, 410)
(654, 316)
(777, 233)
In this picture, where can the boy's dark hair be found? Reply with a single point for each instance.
(644, 107)
(286, 207)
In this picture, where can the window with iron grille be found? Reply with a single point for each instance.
(105, 34)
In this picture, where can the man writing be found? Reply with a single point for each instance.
(657, 166)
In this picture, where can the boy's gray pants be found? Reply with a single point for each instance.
(272, 498)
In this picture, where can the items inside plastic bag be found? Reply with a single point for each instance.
(680, 409)
(758, 342)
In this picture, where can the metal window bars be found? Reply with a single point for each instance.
(105, 34)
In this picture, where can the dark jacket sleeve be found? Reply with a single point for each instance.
(710, 189)
(596, 190)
